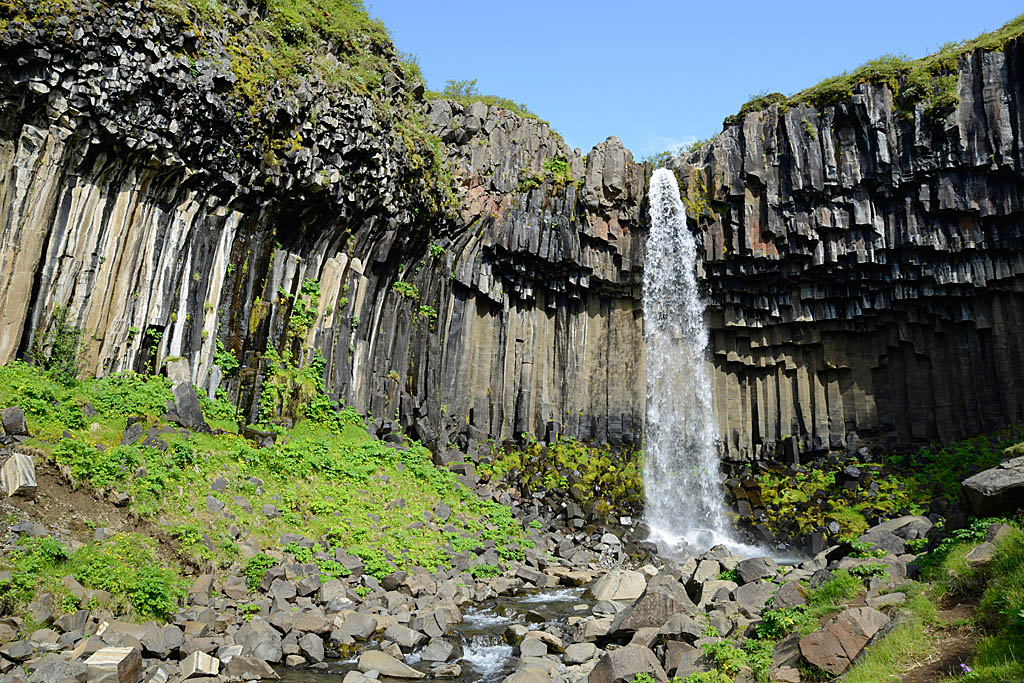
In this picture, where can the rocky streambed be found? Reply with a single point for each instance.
(547, 619)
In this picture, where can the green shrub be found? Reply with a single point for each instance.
(776, 623)
(126, 565)
(729, 575)
(869, 569)
(255, 567)
(483, 570)
(55, 346)
(128, 393)
(225, 359)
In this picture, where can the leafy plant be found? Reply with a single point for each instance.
(55, 346)
(729, 575)
(225, 359)
(255, 568)
(406, 289)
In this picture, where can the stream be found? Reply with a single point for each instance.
(486, 657)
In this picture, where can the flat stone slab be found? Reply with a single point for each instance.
(995, 491)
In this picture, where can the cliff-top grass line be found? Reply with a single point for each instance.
(931, 79)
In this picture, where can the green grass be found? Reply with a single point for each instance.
(999, 588)
(931, 79)
(465, 92)
(125, 565)
(331, 481)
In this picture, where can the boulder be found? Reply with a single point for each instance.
(18, 476)
(837, 644)
(752, 597)
(790, 595)
(185, 409)
(663, 597)
(115, 664)
(199, 665)
(577, 653)
(13, 419)
(405, 637)
(260, 640)
(355, 625)
(886, 540)
(241, 668)
(386, 665)
(981, 554)
(756, 568)
(54, 668)
(620, 584)
(312, 647)
(996, 491)
(623, 664)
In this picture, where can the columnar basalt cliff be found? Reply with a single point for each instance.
(864, 269)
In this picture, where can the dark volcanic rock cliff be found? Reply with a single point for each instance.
(864, 270)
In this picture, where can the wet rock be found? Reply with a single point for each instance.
(405, 637)
(312, 647)
(438, 650)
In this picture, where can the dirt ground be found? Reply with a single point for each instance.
(954, 647)
(74, 516)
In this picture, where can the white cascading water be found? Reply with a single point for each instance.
(682, 479)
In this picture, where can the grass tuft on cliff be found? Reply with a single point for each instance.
(931, 80)
(466, 92)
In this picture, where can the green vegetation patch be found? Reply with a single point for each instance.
(467, 92)
(931, 80)
(125, 565)
(601, 478)
(326, 477)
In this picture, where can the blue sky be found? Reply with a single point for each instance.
(659, 73)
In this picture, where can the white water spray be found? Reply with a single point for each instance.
(682, 479)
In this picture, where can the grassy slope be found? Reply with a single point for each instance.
(332, 484)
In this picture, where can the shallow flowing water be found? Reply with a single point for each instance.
(486, 657)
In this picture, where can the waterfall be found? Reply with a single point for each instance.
(682, 479)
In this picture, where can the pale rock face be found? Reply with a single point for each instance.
(863, 281)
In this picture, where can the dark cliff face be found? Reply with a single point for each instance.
(864, 271)
(865, 274)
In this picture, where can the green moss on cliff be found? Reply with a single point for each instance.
(931, 80)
